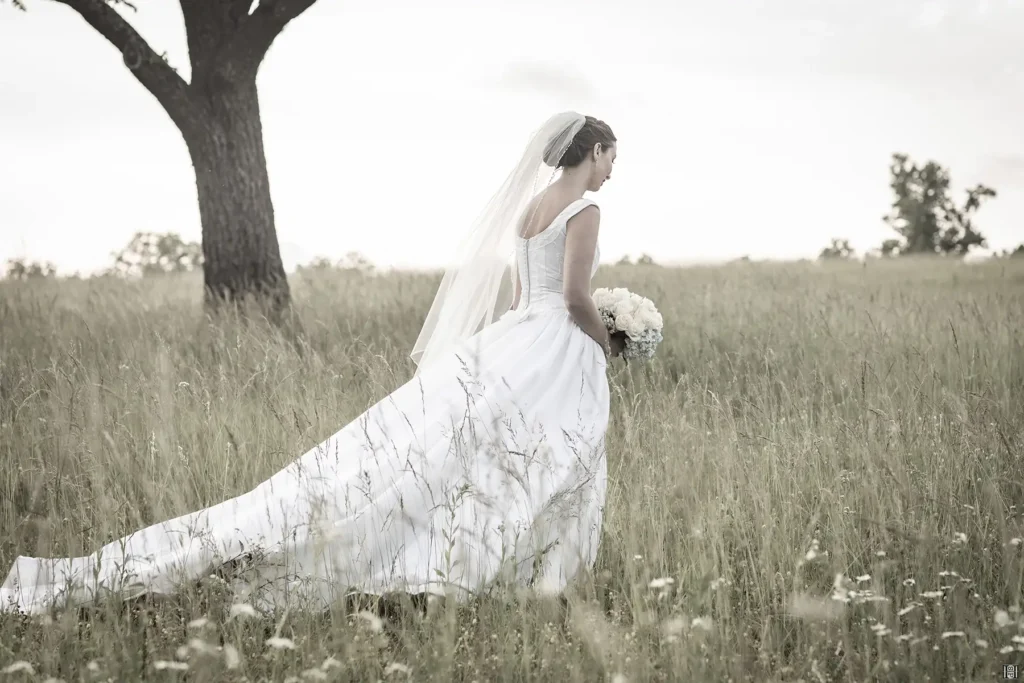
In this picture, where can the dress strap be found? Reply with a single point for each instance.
(575, 208)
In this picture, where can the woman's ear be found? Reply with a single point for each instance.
(597, 150)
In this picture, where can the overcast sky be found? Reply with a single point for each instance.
(746, 127)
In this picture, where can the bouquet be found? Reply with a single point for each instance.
(633, 316)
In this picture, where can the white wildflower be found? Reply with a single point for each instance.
(330, 663)
(396, 667)
(374, 622)
(703, 623)
(164, 665)
(279, 643)
(241, 609)
(232, 660)
(21, 666)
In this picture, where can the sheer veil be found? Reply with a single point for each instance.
(474, 290)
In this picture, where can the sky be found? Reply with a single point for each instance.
(758, 128)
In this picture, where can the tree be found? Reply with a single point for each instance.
(1017, 252)
(150, 254)
(21, 269)
(925, 216)
(837, 249)
(218, 115)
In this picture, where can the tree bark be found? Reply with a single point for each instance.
(241, 254)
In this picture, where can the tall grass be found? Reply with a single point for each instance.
(819, 478)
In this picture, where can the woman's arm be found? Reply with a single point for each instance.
(580, 245)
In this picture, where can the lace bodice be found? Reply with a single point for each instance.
(540, 260)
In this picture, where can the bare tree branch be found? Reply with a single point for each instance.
(259, 30)
(147, 66)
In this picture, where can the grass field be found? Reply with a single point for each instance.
(818, 479)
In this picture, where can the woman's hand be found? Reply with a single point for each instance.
(617, 344)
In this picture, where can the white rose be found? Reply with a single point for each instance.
(652, 320)
(636, 329)
(622, 307)
(624, 322)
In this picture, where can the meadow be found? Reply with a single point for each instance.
(819, 478)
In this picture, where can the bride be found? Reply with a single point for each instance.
(487, 467)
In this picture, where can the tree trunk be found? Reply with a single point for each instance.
(241, 254)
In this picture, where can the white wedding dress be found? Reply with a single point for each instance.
(488, 467)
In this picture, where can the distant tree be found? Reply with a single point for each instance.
(646, 260)
(925, 216)
(624, 261)
(351, 261)
(1017, 252)
(150, 254)
(218, 114)
(890, 247)
(837, 249)
(22, 269)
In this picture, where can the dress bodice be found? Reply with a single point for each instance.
(540, 259)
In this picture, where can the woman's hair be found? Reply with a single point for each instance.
(593, 132)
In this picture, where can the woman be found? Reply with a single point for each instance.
(487, 466)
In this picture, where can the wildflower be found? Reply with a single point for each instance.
(232, 660)
(372, 621)
(279, 643)
(673, 628)
(241, 609)
(330, 663)
(164, 665)
(908, 609)
(881, 630)
(395, 667)
(19, 666)
(703, 623)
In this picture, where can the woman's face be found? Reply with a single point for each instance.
(604, 160)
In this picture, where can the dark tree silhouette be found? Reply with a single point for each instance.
(22, 269)
(218, 114)
(837, 249)
(925, 216)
